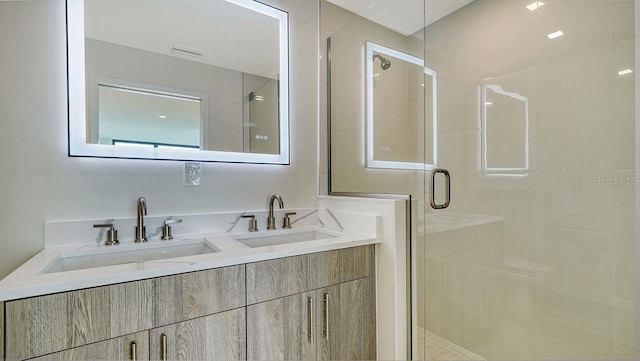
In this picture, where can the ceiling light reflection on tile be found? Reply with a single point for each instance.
(556, 34)
(535, 5)
(625, 72)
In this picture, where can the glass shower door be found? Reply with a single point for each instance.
(535, 256)
(529, 107)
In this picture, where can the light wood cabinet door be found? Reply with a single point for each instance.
(336, 322)
(282, 329)
(197, 294)
(216, 337)
(339, 266)
(346, 328)
(268, 280)
(46, 324)
(116, 349)
(272, 279)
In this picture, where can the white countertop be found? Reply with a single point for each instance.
(27, 281)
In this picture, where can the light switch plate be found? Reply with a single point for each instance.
(192, 172)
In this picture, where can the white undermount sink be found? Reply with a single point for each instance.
(264, 240)
(131, 253)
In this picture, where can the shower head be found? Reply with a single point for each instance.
(384, 62)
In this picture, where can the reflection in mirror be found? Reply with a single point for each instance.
(505, 131)
(261, 125)
(129, 115)
(203, 80)
(401, 110)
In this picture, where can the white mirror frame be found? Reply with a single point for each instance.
(370, 161)
(78, 146)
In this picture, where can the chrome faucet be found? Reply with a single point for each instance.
(141, 230)
(271, 220)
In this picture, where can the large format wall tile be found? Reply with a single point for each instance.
(509, 317)
(576, 293)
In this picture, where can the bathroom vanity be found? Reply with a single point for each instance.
(257, 297)
(307, 307)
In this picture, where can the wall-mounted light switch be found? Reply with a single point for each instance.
(192, 172)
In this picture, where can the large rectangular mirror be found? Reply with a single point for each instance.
(199, 80)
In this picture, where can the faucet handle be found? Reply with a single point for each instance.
(287, 220)
(166, 229)
(112, 234)
(253, 224)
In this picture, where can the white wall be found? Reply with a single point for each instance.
(40, 182)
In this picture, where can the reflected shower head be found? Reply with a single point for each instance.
(384, 62)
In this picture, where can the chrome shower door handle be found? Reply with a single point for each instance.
(432, 196)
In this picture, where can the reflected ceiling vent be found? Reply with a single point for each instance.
(184, 51)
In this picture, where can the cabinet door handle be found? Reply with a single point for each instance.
(310, 320)
(163, 347)
(325, 298)
(134, 351)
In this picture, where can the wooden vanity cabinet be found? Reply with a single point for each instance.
(282, 329)
(46, 324)
(270, 310)
(191, 295)
(268, 280)
(202, 315)
(335, 322)
(346, 327)
(131, 347)
(346, 298)
(217, 337)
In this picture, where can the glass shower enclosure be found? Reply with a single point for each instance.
(512, 125)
